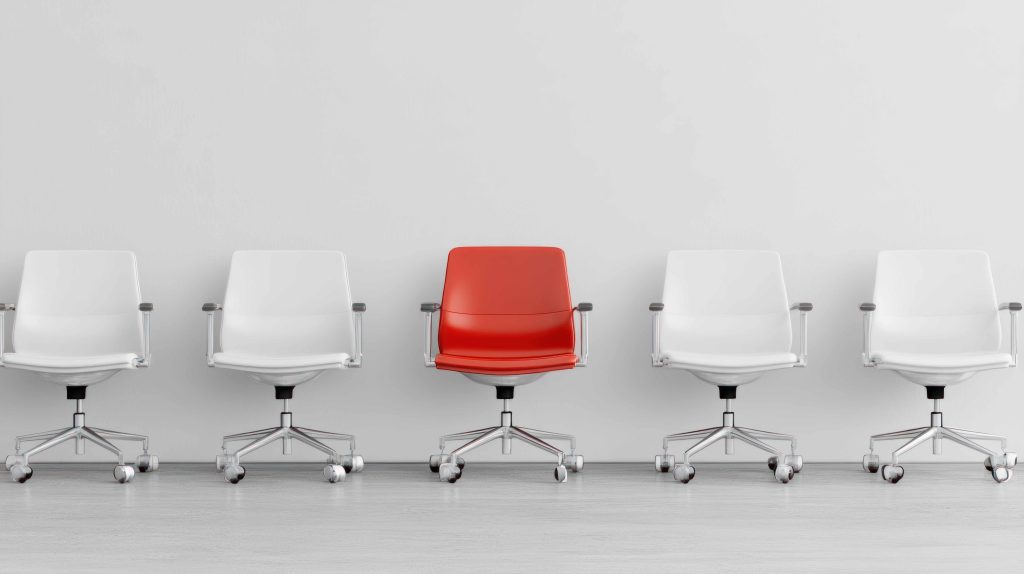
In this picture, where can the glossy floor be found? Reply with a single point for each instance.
(512, 518)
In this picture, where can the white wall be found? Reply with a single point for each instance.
(616, 130)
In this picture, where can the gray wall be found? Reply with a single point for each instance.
(396, 130)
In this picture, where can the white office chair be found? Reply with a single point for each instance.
(287, 317)
(935, 322)
(725, 318)
(80, 322)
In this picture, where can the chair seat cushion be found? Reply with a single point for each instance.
(70, 364)
(502, 366)
(280, 364)
(733, 363)
(940, 362)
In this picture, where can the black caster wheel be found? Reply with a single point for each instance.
(892, 473)
(561, 474)
(147, 462)
(664, 462)
(20, 472)
(352, 463)
(1001, 474)
(449, 472)
(334, 473)
(773, 463)
(794, 460)
(684, 473)
(784, 473)
(124, 473)
(870, 463)
(234, 473)
(435, 462)
(460, 462)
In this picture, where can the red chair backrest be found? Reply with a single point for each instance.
(506, 302)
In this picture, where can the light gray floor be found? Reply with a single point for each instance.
(512, 518)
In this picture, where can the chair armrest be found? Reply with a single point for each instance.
(146, 309)
(428, 310)
(804, 308)
(210, 309)
(656, 309)
(4, 307)
(356, 360)
(584, 310)
(865, 355)
(1014, 308)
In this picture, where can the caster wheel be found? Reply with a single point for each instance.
(1001, 474)
(147, 462)
(21, 472)
(870, 463)
(988, 463)
(124, 473)
(233, 473)
(892, 474)
(684, 473)
(574, 462)
(784, 473)
(794, 460)
(773, 463)
(14, 459)
(1011, 459)
(334, 473)
(664, 462)
(435, 462)
(561, 474)
(449, 472)
(460, 462)
(222, 462)
(352, 463)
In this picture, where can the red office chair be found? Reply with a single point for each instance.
(506, 319)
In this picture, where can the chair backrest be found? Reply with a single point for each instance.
(506, 302)
(725, 302)
(79, 303)
(281, 303)
(935, 301)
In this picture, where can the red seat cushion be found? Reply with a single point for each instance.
(491, 366)
(507, 311)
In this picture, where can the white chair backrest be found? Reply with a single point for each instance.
(281, 303)
(725, 302)
(79, 303)
(935, 302)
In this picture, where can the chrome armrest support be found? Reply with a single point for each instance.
(146, 309)
(356, 360)
(584, 310)
(656, 309)
(804, 309)
(1014, 308)
(210, 309)
(868, 309)
(4, 307)
(428, 310)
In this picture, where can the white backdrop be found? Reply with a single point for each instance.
(396, 130)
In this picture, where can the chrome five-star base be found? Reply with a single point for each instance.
(337, 467)
(785, 467)
(18, 463)
(999, 463)
(449, 466)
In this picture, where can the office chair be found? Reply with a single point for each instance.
(506, 319)
(287, 317)
(935, 322)
(80, 322)
(725, 318)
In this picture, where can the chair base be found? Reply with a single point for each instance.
(338, 465)
(449, 466)
(999, 463)
(785, 466)
(19, 463)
